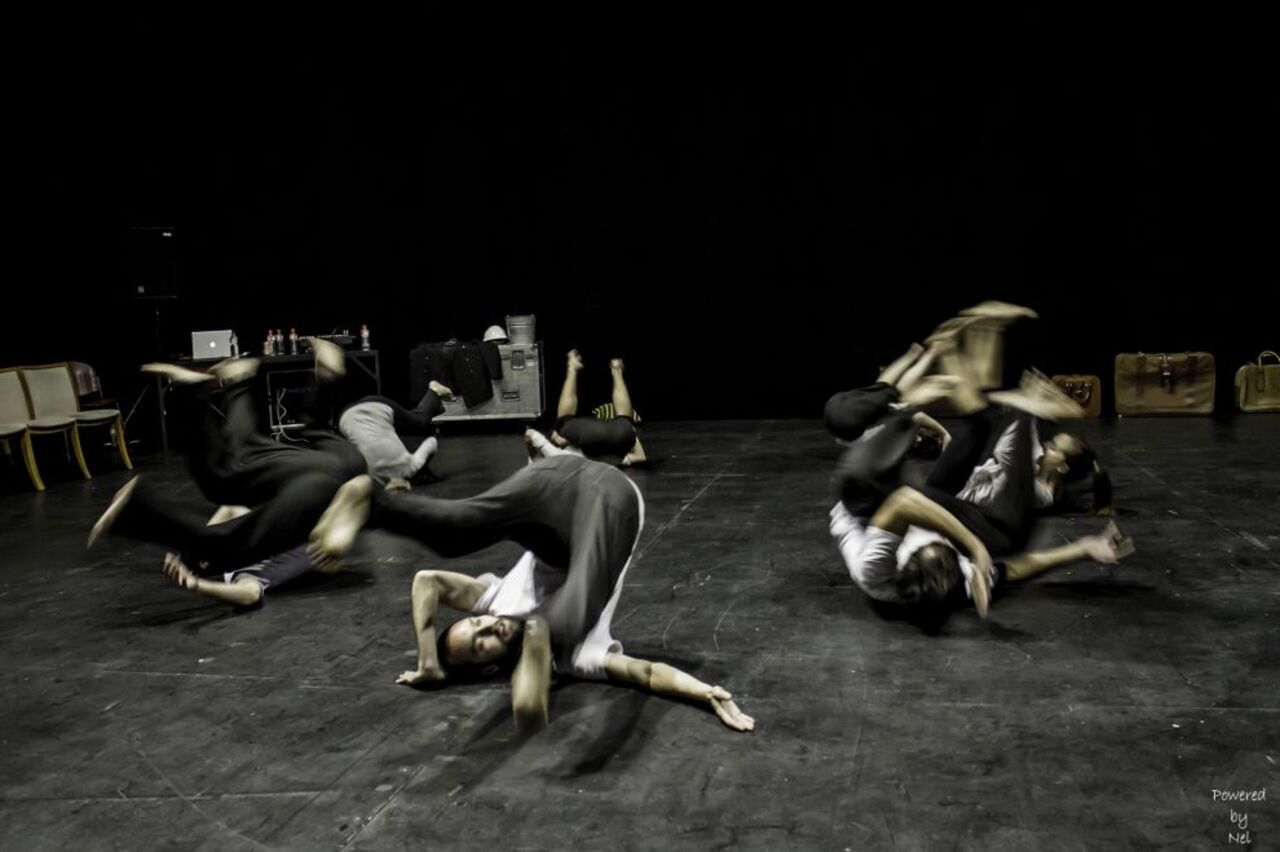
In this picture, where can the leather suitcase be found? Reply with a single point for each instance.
(1164, 383)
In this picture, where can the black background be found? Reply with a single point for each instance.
(754, 217)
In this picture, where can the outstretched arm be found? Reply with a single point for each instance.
(1107, 548)
(662, 679)
(430, 589)
(908, 507)
(243, 591)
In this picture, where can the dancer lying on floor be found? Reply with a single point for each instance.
(579, 521)
(376, 424)
(613, 440)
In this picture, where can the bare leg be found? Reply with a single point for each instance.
(984, 349)
(228, 513)
(243, 591)
(984, 340)
(568, 405)
(621, 396)
(966, 397)
(178, 375)
(113, 511)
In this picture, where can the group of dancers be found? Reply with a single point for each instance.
(928, 519)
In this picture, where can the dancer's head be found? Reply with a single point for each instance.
(1068, 460)
(480, 646)
(930, 577)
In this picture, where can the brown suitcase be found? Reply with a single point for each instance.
(1258, 385)
(1085, 390)
(1164, 383)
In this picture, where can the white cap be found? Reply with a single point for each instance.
(495, 332)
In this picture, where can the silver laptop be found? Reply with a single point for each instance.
(211, 344)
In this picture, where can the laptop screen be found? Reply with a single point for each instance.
(211, 344)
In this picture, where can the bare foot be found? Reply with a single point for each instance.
(234, 370)
(635, 456)
(950, 329)
(335, 533)
(177, 375)
(574, 360)
(112, 514)
(537, 445)
(999, 310)
(616, 365)
(331, 364)
(1040, 397)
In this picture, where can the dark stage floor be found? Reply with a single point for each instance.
(1097, 708)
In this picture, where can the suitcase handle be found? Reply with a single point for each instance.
(1261, 381)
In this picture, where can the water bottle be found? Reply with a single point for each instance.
(364, 338)
(293, 341)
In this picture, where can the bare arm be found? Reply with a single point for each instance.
(662, 679)
(243, 591)
(891, 374)
(430, 589)
(908, 507)
(926, 422)
(531, 680)
(1108, 548)
(912, 373)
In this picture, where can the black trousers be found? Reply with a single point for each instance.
(287, 487)
(410, 421)
(599, 439)
(1004, 526)
(849, 413)
(871, 468)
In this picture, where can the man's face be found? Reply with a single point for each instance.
(481, 639)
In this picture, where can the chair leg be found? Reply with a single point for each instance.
(122, 444)
(29, 456)
(75, 443)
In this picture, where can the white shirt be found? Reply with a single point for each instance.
(874, 556)
(530, 582)
(992, 476)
